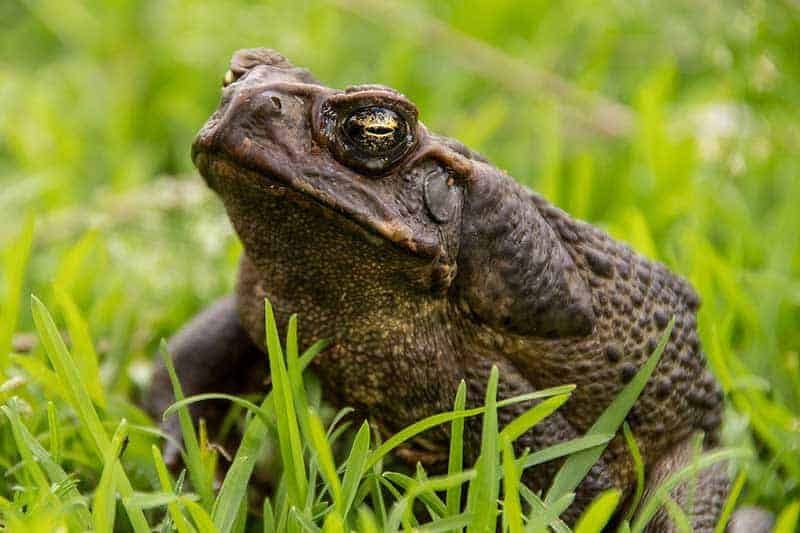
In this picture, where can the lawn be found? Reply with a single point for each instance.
(675, 126)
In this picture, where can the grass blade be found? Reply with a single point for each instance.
(403, 508)
(578, 465)
(325, 459)
(55, 434)
(451, 523)
(53, 387)
(442, 418)
(194, 462)
(295, 372)
(355, 468)
(265, 415)
(82, 347)
(104, 506)
(152, 500)
(638, 465)
(80, 401)
(430, 499)
(730, 502)
(27, 442)
(178, 520)
(267, 517)
(677, 515)
(291, 447)
(366, 520)
(298, 518)
(31, 466)
(541, 515)
(234, 486)
(333, 523)
(787, 521)
(376, 494)
(653, 502)
(563, 449)
(456, 457)
(532, 416)
(15, 260)
(200, 517)
(482, 494)
(512, 509)
(599, 512)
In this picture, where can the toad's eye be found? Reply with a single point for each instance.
(375, 131)
(368, 129)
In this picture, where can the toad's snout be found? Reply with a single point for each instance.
(230, 130)
(256, 106)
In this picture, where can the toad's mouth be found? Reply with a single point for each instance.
(301, 191)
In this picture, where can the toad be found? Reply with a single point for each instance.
(425, 265)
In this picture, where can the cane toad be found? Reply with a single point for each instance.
(425, 265)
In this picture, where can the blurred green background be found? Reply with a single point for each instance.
(673, 125)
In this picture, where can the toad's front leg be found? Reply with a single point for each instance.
(212, 353)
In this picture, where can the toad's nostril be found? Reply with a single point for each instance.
(266, 106)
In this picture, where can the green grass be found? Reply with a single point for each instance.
(314, 493)
(671, 125)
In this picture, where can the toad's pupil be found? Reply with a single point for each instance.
(380, 130)
(375, 130)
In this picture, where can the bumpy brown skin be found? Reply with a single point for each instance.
(427, 266)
